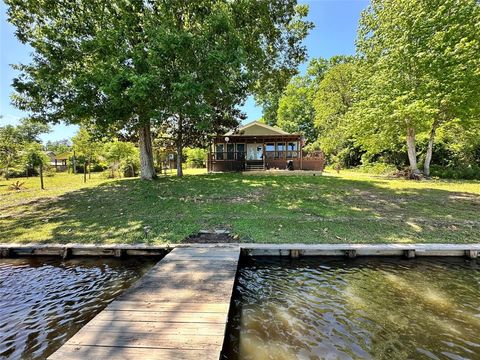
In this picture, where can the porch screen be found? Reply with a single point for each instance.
(219, 152)
(230, 151)
(270, 150)
(240, 151)
(280, 150)
(292, 150)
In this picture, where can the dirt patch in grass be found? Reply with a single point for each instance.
(210, 238)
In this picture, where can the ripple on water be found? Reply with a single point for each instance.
(370, 308)
(44, 301)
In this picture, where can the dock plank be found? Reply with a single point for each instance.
(178, 310)
(75, 352)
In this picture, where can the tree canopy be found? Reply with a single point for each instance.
(14, 139)
(420, 69)
(125, 65)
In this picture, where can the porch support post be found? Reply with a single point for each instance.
(300, 148)
(263, 153)
(209, 158)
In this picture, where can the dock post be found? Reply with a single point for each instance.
(5, 253)
(118, 253)
(471, 254)
(65, 253)
(409, 254)
(294, 254)
(351, 254)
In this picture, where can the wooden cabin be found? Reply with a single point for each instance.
(257, 146)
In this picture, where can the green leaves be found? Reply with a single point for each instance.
(34, 156)
(419, 68)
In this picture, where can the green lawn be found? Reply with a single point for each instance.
(349, 207)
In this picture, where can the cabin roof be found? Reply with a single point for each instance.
(257, 128)
(63, 156)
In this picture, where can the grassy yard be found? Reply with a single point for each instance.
(349, 207)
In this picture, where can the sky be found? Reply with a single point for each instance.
(334, 34)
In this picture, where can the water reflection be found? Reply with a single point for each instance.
(370, 308)
(44, 301)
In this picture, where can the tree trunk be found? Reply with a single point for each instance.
(179, 160)
(147, 170)
(85, 172)
(412, 152)
(6, 173)
(179, 147)
(74, 164)
(428, 155)
(40, 172)
(89, 171)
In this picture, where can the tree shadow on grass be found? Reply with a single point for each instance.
(258, 208)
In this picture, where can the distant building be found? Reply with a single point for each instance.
(59, 161)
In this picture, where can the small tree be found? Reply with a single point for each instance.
(121, 155)
(35, 157)
(195, 157)
(12, 139)
(86, 150)
(10, 147)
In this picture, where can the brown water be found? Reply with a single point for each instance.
(370, 308)
(44, 301)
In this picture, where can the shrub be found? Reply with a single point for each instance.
(195, 157)
(377, 168)
(470, 172)
(17, 186)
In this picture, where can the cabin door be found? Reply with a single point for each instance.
(254, 151)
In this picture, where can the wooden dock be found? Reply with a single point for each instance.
(178, 310)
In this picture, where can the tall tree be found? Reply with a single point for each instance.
(332, 100)
(421, 69)
(284, 39)
(295, 111)
(128, 64)
(58, 146)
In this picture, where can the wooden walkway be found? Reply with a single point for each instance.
(178, 310)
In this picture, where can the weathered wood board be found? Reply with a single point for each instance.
(178, 310)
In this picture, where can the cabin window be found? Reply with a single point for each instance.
(280, 150)
(240, 151)
(219, 148)
(292, 150)
(230, 151)
(270, 150)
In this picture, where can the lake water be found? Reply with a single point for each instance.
(44, 301)
(366, 308)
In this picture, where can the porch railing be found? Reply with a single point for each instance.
(279, 154)
(242, 155)
(229, 155)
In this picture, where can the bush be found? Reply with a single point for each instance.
(195, 157)
(470, 172)
(377, 168)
